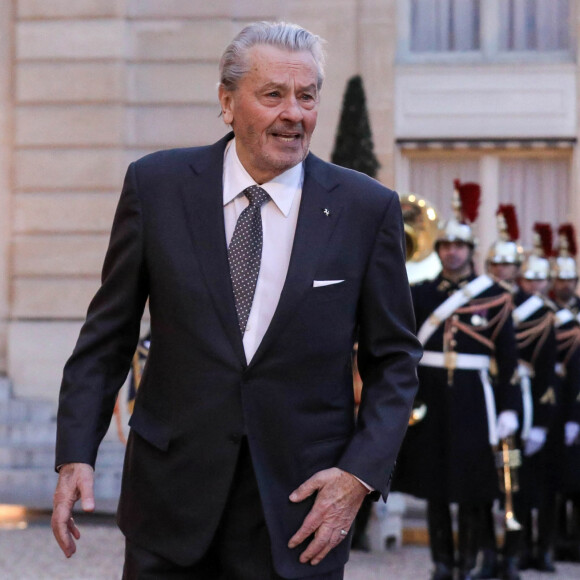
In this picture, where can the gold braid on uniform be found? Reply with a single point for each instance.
(569, 341)
(531, 330)
(496, 323)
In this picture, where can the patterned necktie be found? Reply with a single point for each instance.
(245, 253)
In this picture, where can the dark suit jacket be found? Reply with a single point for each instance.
(198, 396)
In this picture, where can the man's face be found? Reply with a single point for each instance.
(534, 286)
(455, 256)
(273, 110)
(564, 289)
(504, 272)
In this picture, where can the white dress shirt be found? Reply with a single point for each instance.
(279, 217)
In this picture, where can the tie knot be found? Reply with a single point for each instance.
(256, 195)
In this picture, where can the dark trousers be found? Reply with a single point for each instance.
(240, 549)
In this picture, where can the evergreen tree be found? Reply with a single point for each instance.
(353, 146)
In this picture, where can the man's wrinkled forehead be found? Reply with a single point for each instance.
(275, 64)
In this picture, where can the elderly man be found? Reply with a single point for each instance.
(260, 262)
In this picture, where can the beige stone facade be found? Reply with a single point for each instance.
(86, 86)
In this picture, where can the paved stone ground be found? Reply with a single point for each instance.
(32, 554)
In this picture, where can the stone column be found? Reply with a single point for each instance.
(6, 28)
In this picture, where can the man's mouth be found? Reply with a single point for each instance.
(287, 136)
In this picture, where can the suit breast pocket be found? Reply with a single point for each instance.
(333, 291)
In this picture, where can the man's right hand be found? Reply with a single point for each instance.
(75, 481)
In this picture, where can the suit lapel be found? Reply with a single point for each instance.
(204, 209)
(313, 231)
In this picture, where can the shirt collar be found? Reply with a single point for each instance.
(282, 189)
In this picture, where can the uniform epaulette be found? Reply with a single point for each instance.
(505, 286)
(549, 303)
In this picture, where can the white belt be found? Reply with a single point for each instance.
(475, 362)
(457, 360)
(528, 404)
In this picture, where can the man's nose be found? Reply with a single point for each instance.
(292, 110)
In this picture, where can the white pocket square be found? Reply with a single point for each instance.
(319, 283)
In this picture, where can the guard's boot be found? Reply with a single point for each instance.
(440, 540)
(489, 567)
(510, 569)
(547, 525)
(545, 562)
(575, 531)
(442, 572)
(527, 548)
(488, 545)
(512, 549)
(469, 533)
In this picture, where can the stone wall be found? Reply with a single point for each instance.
(5, 164)
(94, 84)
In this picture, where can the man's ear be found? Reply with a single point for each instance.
(227, 104)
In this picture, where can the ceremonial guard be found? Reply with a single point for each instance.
(466, 328)
(533, 318)
(565, 444)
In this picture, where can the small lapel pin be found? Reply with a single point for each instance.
(326, 212)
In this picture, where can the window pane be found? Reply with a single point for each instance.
(445, 25)
(539, 189)
(534, 25)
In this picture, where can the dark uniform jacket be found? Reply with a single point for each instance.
(536, 340)
(565, 460)
(447, 455)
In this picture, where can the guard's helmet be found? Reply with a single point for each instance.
(564, 264)
(506, 249)
(536, 265)
(465, 204)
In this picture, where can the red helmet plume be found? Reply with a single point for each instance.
(511, 219)
(567, 231)
(469, 194)
(544, 231)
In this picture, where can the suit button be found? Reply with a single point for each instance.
(235, 437)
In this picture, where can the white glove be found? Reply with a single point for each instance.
(535, 440)
(507, 424)
(571, 430)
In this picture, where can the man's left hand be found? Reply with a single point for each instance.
(337, 502)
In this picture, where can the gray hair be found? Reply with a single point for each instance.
(234, 63)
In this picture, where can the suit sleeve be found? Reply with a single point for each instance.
(388, 354)
(101, 359)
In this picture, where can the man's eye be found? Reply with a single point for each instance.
(273, 94)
